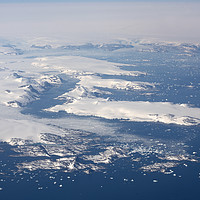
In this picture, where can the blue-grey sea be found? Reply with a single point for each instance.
(176, 74)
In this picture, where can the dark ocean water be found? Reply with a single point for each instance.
(111, 185)
(172, 72)
(120, 180)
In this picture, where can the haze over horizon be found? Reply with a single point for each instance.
(164, 20)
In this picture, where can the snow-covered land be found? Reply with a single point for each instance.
(71, 98)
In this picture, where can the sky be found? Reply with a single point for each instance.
(168, 21)
(85, 1)
(55, 1)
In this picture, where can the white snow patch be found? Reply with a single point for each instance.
(76, 65)
(164, 112)
(95, 81)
